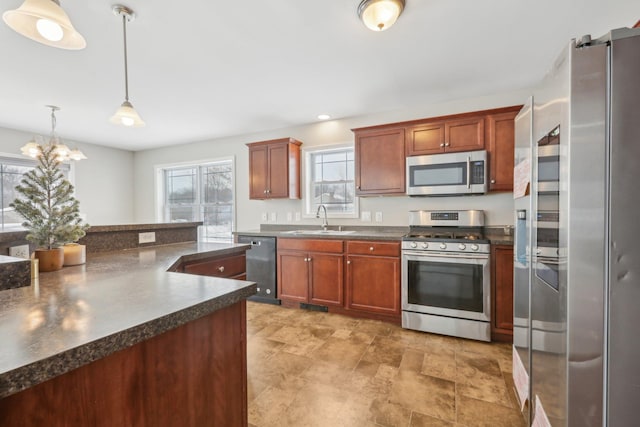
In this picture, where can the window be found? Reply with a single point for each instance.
(201, 192)
(330, 182)
(11, 171)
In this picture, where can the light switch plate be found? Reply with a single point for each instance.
(366, 216)
(289, 216)
(297, 216)
(149, 237)
(378, 216)
(264, 217)
(274, 216)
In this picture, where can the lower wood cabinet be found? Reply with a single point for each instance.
(232, 267)
(311, 271)
(502, 293)
(373, 277)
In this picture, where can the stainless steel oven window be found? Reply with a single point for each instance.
(447, 285)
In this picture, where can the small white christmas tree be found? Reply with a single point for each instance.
(51, 213)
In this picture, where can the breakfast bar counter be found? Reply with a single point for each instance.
(122, 324)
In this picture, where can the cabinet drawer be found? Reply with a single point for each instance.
(311, 245)
(358, 247)
(221, 267)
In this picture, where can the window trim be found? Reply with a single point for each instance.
(160, 184)
(306, 173)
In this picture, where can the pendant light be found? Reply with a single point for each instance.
(63, 153)
(378, 15)
(45, 22)
(126, 115)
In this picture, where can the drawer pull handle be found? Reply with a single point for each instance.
(221, 269)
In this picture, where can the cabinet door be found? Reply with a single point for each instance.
(427, 138)
(501, 139)
(326, 279)
(502, 291)
(464, 134)
(278, 184)
(258, 172)
(380, 162)
(293, 276)
(373, 284)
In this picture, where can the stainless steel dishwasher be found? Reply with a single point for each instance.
(261, 267)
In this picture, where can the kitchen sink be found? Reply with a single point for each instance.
(320, 232)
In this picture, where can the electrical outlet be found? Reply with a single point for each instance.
(378, 216)
(264, 217)
(21, 251)
(149, 237)
(366, 216)
(297, 216)
(274, 217)
(289, 216)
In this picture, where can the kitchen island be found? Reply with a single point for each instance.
(121, 341)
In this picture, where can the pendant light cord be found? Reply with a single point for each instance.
(126, 70)
(53, 122)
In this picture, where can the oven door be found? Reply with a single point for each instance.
(445, 284)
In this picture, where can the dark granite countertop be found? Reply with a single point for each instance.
(141, 227)
(495, 234)
(72, 317)
(313, 232)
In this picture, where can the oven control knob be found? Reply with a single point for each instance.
(462, 246)
(443, 246)
(414, 245)
(425, 245)
(474, 247)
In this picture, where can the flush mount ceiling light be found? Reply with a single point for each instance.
(45, 22)
(126, 115)
(63, 153)
(323, 117)
(378, 15)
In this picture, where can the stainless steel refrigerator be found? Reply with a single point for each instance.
(577, 263)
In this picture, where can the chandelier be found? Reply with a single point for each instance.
(63, 153)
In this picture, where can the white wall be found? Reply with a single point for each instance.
(104, 182)
(498, 207)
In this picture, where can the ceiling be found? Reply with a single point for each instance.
(205, 69)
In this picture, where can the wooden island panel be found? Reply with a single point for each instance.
(193, 375)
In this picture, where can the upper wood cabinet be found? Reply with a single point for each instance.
(379, 161)
(435, 137)
(380, 150)
(274, 169)
(501, 140)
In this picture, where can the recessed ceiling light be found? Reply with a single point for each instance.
(323, 117)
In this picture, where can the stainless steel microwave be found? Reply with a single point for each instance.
(447, 174)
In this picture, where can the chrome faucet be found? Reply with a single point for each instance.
(325, 223)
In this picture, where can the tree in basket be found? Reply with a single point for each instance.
(51, 213)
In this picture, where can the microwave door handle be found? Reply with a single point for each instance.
(468, 172)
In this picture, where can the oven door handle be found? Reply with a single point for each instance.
(424, 255)
(468, 172)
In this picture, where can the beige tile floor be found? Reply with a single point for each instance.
(308, 368)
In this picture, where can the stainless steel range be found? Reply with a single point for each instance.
(446, 274)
